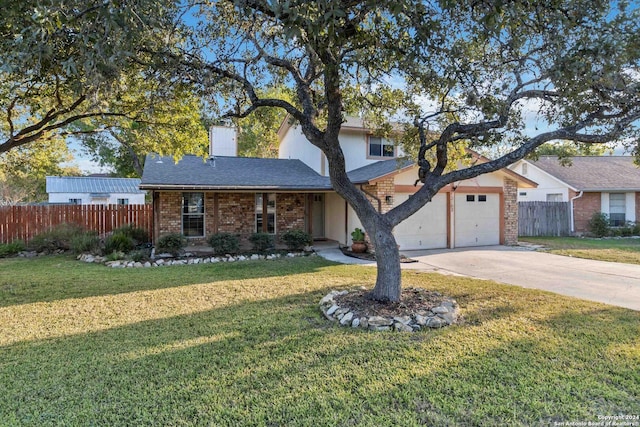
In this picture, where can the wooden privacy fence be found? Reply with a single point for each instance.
(544, 219)
(24, 222)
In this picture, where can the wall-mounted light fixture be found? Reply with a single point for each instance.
(389, 200)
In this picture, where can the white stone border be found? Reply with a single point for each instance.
(447, 313)
(186, 261)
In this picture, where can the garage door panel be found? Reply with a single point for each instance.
(477, 220)
(427, 228)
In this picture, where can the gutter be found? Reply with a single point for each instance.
(161, 187)
(573, 226)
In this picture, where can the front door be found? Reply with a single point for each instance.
(317, 216)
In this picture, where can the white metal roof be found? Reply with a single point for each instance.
(87, 184)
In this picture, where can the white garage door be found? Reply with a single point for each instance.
(477, 219)
(425, 229)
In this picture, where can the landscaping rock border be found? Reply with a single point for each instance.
(445, 314)
(187, 260)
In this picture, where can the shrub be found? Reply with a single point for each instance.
(114, 256)
(172, 243)
(58, 237)
(599, 224)
(10, 249)
(137, 234)
(85, 242)
(636, 229)
(224, 243)
(118, 242)
(139, 255)
(296, 239)
(261, 241)
(627, 230)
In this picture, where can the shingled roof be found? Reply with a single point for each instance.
(594, 173)
(244, 173)
(379, 169)
(230, 173)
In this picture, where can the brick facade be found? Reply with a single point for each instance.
(291, 211)
(510, 212)
(583, 209)
(170, 218)
(381, 189)
(236, 213)
(230, 213)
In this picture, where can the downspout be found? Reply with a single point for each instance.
(373, 197)
(573, 227)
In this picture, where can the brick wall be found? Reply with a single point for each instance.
(510, 212)
(381, 189)
(290, 212)
(236, 213)
(170, 218)
(583, 209)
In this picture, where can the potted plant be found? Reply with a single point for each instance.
(358, 246)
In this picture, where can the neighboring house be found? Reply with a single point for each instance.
(607, 184)
(84, 190)
(200, 197)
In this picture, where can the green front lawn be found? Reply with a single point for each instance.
(625, 250)
(245, 344)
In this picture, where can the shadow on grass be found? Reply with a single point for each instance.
(278, 362)
(47, 279)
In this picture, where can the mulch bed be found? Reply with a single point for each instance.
(371, 257)
(412, 301)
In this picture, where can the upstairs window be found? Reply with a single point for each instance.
(379, 147)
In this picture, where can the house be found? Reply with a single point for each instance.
(224, 193)
(84, 190)
(607, 184)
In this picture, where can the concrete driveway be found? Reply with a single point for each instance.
(611, 283)
(606, 282)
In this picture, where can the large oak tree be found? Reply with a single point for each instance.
(479, 66)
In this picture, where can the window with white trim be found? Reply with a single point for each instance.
(617, 209)
(266, 213)
(193, 214)
(554, 197)
(122, 201)
(380, 147)
(75, 201)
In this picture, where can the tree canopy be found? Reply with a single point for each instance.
(80, 68)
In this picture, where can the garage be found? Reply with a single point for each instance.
(477, 219)
(427, 228)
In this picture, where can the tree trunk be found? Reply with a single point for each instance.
(388, 280)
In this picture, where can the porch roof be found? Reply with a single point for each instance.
(379, 169)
